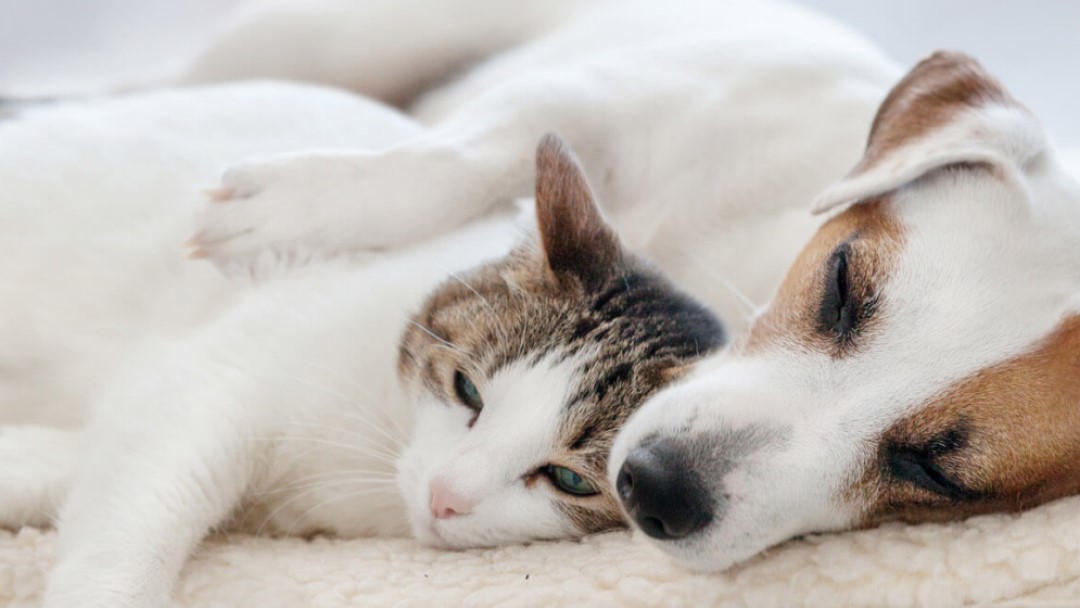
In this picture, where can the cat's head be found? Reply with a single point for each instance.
(523, 370)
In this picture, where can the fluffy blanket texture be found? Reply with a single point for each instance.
(1031, 559)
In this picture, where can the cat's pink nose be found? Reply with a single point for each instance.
(445, 502)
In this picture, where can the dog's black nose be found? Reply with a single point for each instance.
(661, 491)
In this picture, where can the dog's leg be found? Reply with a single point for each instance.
(461, 169)
(388, 49)
(168, 463)
(36, 465)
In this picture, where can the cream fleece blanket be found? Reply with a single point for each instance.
(1031, 559)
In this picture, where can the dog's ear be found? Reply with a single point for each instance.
(947, 111)
(576, 240)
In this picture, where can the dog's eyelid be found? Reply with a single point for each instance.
(836, 314)
(922, 467)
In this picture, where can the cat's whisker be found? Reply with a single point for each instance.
(367, 473)
(389, 459)
(329, 482)
(499, 324)
(397, 441)
(349, 496)
(440, 339)
(366, 392)
(354, 448)
(282, 506)
(392, 450)
(524, 334)
(751, 309)
(354, 384)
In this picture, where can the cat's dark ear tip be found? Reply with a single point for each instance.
(550, 142)
(576, 239)
(551, 152)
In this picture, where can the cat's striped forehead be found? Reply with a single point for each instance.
(627, 335)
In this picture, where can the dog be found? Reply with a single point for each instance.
(920, 362)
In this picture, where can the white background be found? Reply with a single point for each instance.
(61, 46)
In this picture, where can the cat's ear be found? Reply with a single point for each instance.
(575, 238)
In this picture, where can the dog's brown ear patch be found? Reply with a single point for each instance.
(947, 112)
(933, 93)
(576, 240)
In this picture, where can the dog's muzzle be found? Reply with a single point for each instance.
(662, 492)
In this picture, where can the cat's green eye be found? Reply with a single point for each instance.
(467, 392)
(569, 481)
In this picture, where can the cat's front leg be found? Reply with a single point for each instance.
(161, 469)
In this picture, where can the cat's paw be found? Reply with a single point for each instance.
(321, 203)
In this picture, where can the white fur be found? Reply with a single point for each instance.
(269, 406)
(277, 381)
(683, 114)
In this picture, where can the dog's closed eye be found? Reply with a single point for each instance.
(836, 314)
(844, 305)
(922, 466)
(921, 470)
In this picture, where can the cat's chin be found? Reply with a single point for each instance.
(428, 535)
(426, 532)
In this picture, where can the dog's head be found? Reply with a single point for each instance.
(921, 361)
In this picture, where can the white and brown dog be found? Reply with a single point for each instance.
(920, 360)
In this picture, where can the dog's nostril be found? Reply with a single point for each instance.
(625, 483)
(662, 492)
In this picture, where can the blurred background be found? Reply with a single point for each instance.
(64, 46)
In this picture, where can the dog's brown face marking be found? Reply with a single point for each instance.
(833, 296)
(1005, 439)
(575, 295)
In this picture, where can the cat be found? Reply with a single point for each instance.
(283, 413)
